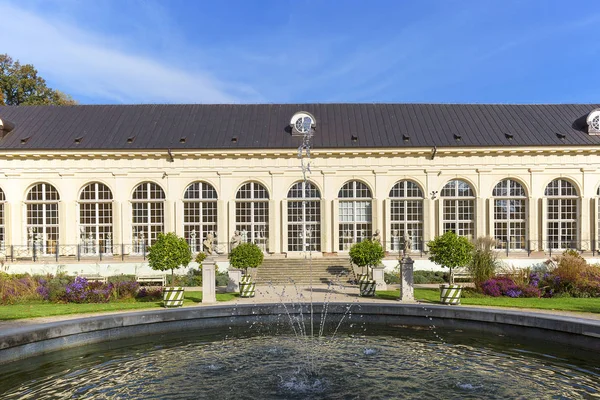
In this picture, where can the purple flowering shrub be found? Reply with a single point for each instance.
(82, 291)
(149, 294)
(125, 289)
(500, 286)
(75, 292)
(530, 291)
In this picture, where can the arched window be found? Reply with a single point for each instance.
(42, 218)
(199, 214)
(304, 212)
(563, 203)
(510, 215)
(252, 214)
(95, 219)
(355, 215)
(148, 215)
(2, 237)
(458, 213)
(406, 215)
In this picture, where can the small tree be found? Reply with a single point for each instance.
(169, 252)
(367, 253)
(246, 255)
(450, 251)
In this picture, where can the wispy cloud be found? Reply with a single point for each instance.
(98, 66)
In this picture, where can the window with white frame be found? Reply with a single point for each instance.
(593, 121)
(96, 219)
(596, 123)
(510, 215)
(42, 218)
(304, 217)
(199, 214)
(355, 214)
(252, 214)
(406, 215)
(2, 237)
(458, 208)
(148, 215)
(562, 214)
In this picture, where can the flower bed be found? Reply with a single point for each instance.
(65, 289)
(571, 276)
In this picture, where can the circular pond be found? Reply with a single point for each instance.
(361, 361)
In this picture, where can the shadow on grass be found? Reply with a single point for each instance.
(196, 298)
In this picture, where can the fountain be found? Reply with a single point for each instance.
(297, 349)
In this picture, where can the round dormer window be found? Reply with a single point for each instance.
(593, 121)
(302, 122)
(596, 123)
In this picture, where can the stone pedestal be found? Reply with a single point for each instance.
(208, 282)
(407, 291)
(233, 286)
(379, 278)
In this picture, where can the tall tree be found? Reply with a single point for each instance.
(21, 85)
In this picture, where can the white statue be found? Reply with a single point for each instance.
(244, 236)
(208, 243)
(236, 240)
(376, 236)
(407, 243)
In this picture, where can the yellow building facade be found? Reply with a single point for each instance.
(76, 203)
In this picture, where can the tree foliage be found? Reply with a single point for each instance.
(450, 250)
(367, 253)
(168, 253)
(20, 84)
(246, 255)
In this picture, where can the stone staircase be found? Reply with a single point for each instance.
(284, 271)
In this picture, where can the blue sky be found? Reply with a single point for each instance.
(296, 51)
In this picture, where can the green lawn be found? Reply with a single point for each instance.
(591, 305)
(45, 309)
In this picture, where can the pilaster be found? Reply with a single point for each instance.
(335, 222)
(284, 226)
(274, 240)
(223, 232)
(325, 227)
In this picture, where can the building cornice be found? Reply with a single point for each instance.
(320, 153)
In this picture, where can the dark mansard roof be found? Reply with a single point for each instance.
(266, 126)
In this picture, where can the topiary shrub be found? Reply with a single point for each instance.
(246, 255)
(367, 253)
(168, 253)
(450, 251)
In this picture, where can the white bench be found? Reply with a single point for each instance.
(151, 280)
(93, 277)
(460, 273)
